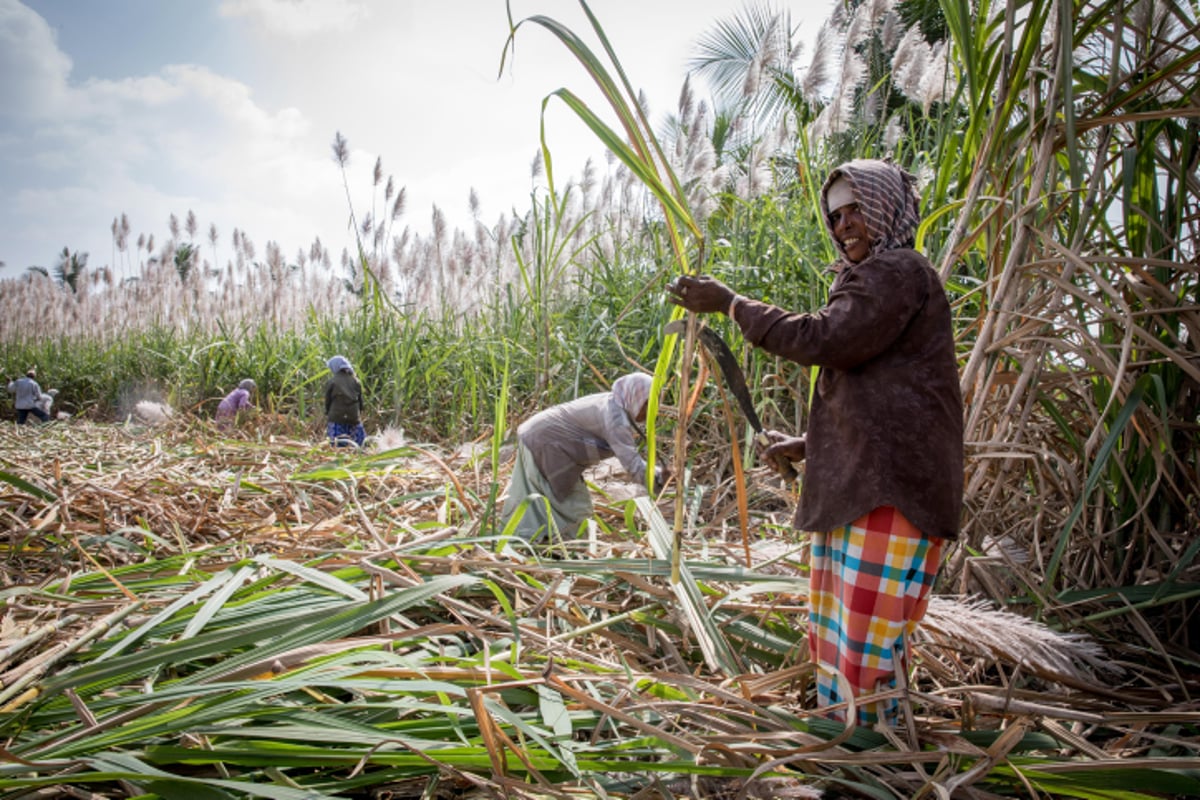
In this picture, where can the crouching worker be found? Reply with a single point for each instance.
(235, 401)
(556, 445)
(46, 401)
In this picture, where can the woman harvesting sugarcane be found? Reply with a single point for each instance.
(884, 448)
(556, 446)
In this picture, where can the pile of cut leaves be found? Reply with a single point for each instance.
(190, 612)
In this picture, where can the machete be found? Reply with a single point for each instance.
(736, 381)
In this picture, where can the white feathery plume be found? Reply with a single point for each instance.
(876, 13)
(893, 133)
(765, 58)
(757, 178)
(588, 182)
(821, 127)
(909, 63)
(686, 100)
(976, 628)
(935, 84)
(873, 106)
(891, 30)
(643, 102)
(836, 116)
(860, 28)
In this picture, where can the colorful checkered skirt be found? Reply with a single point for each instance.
(869, 588)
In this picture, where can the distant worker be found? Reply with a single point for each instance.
(28, 394)
(46, 401)
(557, 444)
(343, 405)
(235, 401)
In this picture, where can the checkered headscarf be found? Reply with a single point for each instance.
(887, 198)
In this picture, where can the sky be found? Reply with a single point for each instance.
(228, 109)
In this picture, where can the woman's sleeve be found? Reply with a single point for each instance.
(622, 443)
(868, 309)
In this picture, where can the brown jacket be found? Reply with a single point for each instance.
(886, 423)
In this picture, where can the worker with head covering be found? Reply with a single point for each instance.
(557, 444)
(883, 483)
(235, 401)
(27, 396)
(343, 405)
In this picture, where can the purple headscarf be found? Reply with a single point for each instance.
(339, 363)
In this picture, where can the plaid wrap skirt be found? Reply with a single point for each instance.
(869, 588)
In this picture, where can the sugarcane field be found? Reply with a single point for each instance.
(228, 604)
(835, 436)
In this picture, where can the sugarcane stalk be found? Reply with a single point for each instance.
(6, 655)
(52, 657)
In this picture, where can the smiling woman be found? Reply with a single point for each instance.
(884, 446)
(850, 231)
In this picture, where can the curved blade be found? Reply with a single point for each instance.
(735, 379)
(732, 372)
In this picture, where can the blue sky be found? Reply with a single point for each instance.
(228, 108)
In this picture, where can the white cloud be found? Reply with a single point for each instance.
(33, 71)
(297, 19)
(185, 138)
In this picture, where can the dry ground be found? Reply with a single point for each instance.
(81, 498)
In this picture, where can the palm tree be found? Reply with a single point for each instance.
(186, 256)
(745, 58)
(69, 268)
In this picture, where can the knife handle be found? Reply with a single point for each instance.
(777, 462)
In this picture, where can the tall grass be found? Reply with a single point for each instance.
(1082, 351)
(1056, 144)
(426, 357)
(428, 374)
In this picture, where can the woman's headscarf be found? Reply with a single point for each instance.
(632, 391)
(339, 363)
(886, 196)
(248, 384)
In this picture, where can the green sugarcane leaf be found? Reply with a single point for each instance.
(26, 486)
